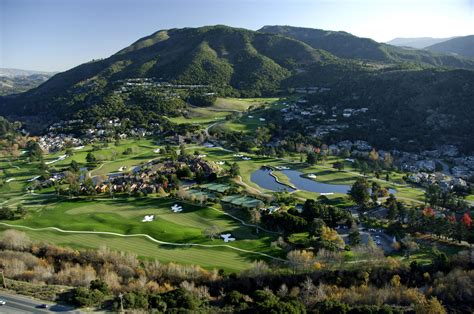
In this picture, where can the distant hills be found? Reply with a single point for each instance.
(417, 42)
(348, 46)
(8, 72)
(14, 81)
(461, 46)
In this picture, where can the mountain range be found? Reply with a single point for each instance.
(460, 46)
(271, 61)
(416, 42)
(13, 81)
(345, 45)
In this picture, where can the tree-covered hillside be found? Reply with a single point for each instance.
(462, 46)
(228, 59)
(345, 45)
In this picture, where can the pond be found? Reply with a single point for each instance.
(264, 179)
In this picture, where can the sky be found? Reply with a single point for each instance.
(55, 35)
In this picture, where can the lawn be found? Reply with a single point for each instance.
(123, 216)
(206, 257)
(222, 108)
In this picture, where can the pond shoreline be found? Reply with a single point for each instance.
(278, 180)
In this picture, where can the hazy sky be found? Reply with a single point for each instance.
(55, 35)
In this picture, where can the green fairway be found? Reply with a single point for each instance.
(124, 217)
(210, 258)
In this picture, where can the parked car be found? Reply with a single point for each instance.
(2, 302)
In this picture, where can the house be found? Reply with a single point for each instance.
(445, 185)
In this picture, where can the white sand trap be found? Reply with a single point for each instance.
(10, 180)
(312, 176)
(250, 117)
(56, 160)
(220, 163)
(227, 237)
(262, 119)
(157, 151)
(329, 193)
(246, 158)
(148, 218)
(33, 179)
(177, 208)
(78, 147)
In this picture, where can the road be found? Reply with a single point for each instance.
(21, 304)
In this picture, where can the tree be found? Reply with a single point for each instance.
(373, 155)
(387, 160)
(359, 192)
(6, 213)
(15, 240)
(338, 165)
(311, 158)
(34, 151)
(74, 166)
(431, 306)
(375, 192)
(234, 170)
(354, 238)
(466, 220)
(99, 285)
(331, 239)
(392, 205)
(90, 158)
(410, 245)
(316, 228)
(212, 232)
(21, 210)
(300, 259)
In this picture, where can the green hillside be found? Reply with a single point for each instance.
(345, 45)
(229, 59)
(462, 46)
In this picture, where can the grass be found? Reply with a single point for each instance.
(424, 255)
(206, 257)
(222, 108)
(324, 171)
(124, 216)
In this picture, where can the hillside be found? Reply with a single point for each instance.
(228, 59)
(20, 84)
(417, 42)
(345, 45)
(154, 77)
(9, 72)
(13, 81)
(461, 46)
(413, 110)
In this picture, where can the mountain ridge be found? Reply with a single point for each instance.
(346, 45)
(229, 61)
(462, 46)
(416, 42)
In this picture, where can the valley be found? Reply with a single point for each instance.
(282, 170)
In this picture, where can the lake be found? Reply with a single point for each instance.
(264, 179)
